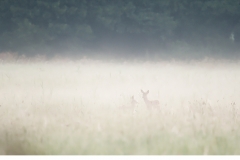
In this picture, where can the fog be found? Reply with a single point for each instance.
(121, 29)
(84, 107)
(120, 77)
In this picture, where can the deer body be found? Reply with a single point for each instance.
(150, 103)
(133, 104)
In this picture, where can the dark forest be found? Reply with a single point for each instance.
(190, 28)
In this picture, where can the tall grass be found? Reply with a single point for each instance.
(75, 108)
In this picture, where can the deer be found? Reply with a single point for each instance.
(150, 103)
(133, 104)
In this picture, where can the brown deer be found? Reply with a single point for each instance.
(150, 103)
(133, 104)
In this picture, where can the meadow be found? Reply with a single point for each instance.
(84, 107)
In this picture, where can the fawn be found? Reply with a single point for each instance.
(132, 105)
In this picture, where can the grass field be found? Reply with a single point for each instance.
(84, 107)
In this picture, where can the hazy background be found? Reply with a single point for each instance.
(121, 28)
(60, 93)
(84, 107)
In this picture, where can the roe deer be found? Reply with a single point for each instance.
(133, 102)
(150, 104)
(132, 105)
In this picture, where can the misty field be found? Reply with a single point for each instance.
(84, 107)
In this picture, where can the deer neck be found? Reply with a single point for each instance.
(146, 100)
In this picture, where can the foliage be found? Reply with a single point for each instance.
(138, 24)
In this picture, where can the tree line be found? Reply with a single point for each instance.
(131, 26)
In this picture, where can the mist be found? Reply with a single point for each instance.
(121, 29)
(122, 77)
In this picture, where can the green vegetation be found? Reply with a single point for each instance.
(76, 108)
(127, 26)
